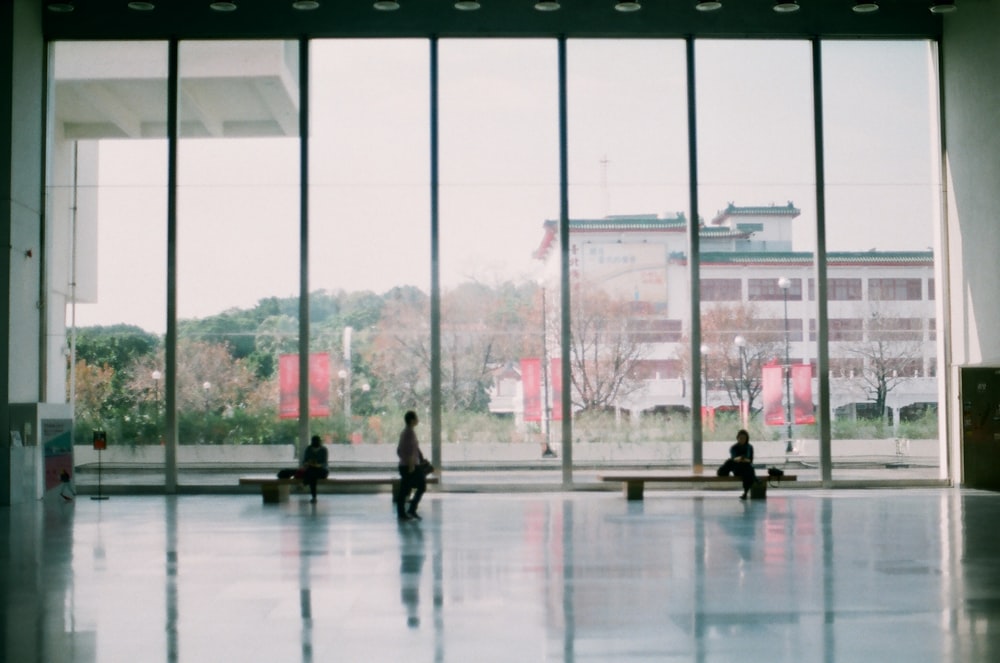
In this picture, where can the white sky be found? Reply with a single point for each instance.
(238, 210)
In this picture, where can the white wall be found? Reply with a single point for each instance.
(970, 54)
(971, 97)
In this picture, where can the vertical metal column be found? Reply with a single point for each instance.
(822, 333)
(170, 340)
(949, 425)
(564, 294)
(303, 423)
(694, 265)
(435, 266)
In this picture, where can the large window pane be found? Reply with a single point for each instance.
(238, 243)
(370, 240)
(107, 252)
(882, 187)
(499, 186)
(628, 187)
(758, 215)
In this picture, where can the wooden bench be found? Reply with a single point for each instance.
(274, 490)
(632, 484)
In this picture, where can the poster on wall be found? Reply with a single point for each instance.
(57, 440)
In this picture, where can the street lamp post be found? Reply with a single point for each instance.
(744, 408)
(205, 386)
(346, 377)
(156, 391)
(785, 283)
(547, 414)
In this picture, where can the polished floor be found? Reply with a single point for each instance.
(827, 575)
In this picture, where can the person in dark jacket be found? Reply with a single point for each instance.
(314, 464)
(411, 478)
(740, 462)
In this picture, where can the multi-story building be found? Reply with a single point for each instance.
(757, 303)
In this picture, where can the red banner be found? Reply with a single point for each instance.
(708, 417)
(531, 386)
(802, 394)
(555, 379)
(319, 385)
(770, 388)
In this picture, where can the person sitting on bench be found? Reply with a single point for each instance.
(740, 462)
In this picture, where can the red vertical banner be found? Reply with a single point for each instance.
(708, 417)
(555, 380)
(319, 385)
(288, 386)
(770, 388)
(531, 387)
(802, 394)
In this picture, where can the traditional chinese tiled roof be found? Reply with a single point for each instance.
(755, 210)
(756, 257)
(649, 223)
(631, 223)
(707, 232)
(801, 258)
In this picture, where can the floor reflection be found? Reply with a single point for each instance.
(865, 575)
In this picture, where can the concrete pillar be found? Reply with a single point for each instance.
(22, 117)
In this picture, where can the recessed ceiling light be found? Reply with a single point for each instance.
(60, 7)
(628, 6)
(223, 6)
(707, 5)
(943, 7)
(786, 7)
(386, 5)
(305, 5)
(467, 5)
(141, 6)
(547, 5)
(862, 7)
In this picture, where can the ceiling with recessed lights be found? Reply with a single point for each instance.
(247, 19)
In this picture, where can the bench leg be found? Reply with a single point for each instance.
(758, 490)
(633, 490)
(274, 494)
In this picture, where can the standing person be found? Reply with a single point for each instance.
(314, 465)
(411, 478)
(740, 462)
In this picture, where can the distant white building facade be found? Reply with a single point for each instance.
(881, 307)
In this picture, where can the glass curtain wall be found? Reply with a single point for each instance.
(106, 216)
(499, 174)
(238, 246)
(882, 201)
(628, 189)
(757, 203)
(239, 232)
(369, 242)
